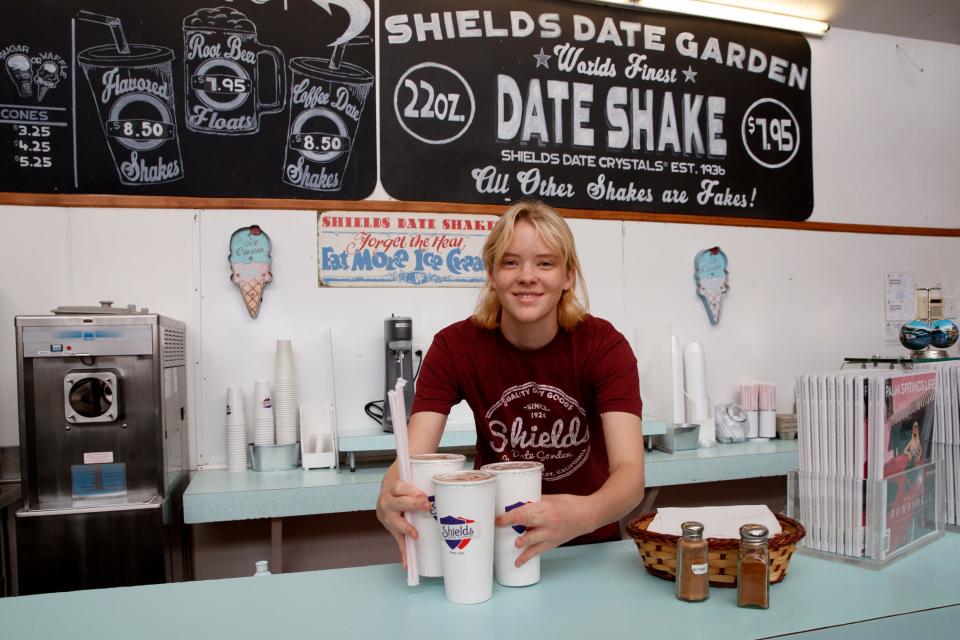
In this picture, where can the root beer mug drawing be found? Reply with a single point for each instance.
(132, 86)
(326, 102)
(221, 57)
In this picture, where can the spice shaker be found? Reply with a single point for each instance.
(693, 578)
(753, 567)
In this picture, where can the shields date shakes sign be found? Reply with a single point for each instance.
(594, 107)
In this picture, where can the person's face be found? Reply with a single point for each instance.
(529, 280)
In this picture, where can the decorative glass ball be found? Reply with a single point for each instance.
(915, 335)
(943, 334)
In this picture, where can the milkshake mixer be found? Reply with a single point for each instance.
(398, 358)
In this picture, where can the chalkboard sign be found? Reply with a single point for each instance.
(593, 107)
(243, 98)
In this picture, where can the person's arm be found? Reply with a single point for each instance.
(560, 518)
(423, 434)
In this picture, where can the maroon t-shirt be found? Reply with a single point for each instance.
(541, 405)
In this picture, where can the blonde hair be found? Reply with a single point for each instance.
(553, 230)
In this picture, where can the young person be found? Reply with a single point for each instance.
(546, 381)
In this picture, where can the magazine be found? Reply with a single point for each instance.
(906, 410)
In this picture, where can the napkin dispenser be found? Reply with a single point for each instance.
(678, 437)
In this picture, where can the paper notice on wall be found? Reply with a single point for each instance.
(899, 304)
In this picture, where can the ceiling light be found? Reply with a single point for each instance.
(735, 14)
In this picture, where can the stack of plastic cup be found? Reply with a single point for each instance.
(262, 413)
(285, 394)
(236, 431)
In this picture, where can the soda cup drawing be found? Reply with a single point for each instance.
(518, 483)
(465, 511)
(326, 103)
(423, 467)
(221, 57)
(132, 87)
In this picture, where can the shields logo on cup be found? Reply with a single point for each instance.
(457, 531)
(433, 506)
(519, 528)
(266, 403)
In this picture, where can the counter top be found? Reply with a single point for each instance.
(216, 495)
(584, 591)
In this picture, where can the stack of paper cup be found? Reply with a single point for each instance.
(423, 467)
(466, 503)
(518, 483)
(285, 394)
(262, 413)
(236, 431)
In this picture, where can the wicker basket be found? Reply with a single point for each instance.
(659, 551)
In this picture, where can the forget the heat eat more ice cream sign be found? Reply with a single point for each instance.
(594, 107)
(376, 249)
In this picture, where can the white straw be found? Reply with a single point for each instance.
(398, 412)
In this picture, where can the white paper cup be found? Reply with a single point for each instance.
(768, 424)
(518, 483)
(753, 423)
(466, 503)
(423, 467)
(262, 400)
(235, 412)
(284, 361)
(236, 442)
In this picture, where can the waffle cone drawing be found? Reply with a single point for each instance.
(252, 296)
(714, 298)
(250, 265)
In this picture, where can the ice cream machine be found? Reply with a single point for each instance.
(102, 396)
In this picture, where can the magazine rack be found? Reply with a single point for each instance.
(868, 522)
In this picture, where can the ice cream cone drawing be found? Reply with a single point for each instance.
(46, 78)
(710, 274)
(19, 67)
(250, 265)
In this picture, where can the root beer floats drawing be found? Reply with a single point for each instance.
(231, 81)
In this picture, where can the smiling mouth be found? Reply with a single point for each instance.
(527, 297)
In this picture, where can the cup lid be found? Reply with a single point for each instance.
(320, 68)
(513, 466)
(141, 55)
(464, 477)
(436, 458)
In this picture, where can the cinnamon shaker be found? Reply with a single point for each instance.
(693, 578)
(753, 567)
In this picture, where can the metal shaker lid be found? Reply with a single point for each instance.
(692, 530)
(754, 533)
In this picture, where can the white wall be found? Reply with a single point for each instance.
(883, 135)
(885, 130)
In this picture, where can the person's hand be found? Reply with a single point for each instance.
(394, 499)
(554, 520)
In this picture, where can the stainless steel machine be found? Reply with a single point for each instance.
(398, 359)
(102, 395)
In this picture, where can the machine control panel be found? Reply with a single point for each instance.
(94, 340)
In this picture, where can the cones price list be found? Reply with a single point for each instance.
(36, 146)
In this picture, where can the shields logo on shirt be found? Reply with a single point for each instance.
(541, 423)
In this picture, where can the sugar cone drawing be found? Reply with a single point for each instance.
(250, 265)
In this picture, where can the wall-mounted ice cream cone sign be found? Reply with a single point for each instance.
(710, 274)
(250, 265)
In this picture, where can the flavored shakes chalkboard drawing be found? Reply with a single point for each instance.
(236, 98)
(593, 107)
